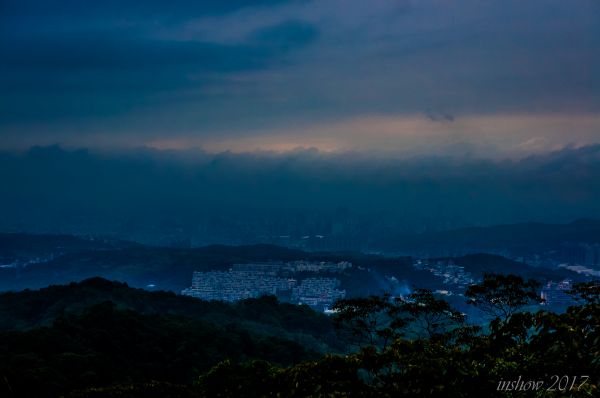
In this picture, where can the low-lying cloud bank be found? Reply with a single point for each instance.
(299, 192)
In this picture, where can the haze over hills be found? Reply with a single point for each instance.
(519, 239)
(63, 259)
(172, 268)
(352, 200)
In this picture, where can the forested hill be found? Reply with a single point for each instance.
(266, 316)
(97, 332)
(104, 339)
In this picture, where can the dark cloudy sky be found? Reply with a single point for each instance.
(494, 78)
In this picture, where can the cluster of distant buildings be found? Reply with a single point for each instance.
(447, 271)
(580, 257)
(318, 284)
(553, 293)
(583, 258)
(299, 282)
(583, 254)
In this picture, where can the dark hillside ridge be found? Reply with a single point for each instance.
(522, 236)
(481, 263)
(172, 268)
(31, 309)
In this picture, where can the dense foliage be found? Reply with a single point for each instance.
(128, 344)
(523, 354)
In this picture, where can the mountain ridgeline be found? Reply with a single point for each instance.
(521, 238)
(172, 268)
(36, 261)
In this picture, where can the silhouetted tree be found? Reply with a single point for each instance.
(429, 316)
(589, 292)
(372, 320)
(501, 296)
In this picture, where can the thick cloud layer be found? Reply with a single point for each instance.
(245, 196)
(425, 114)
